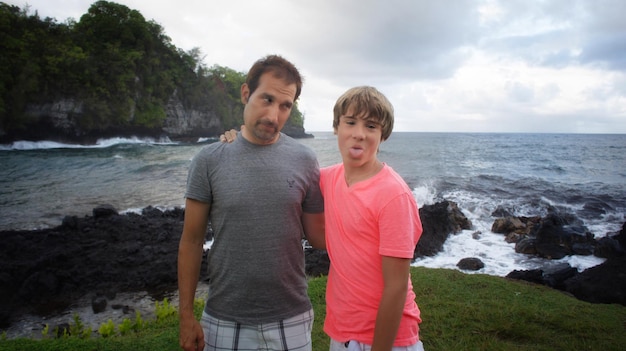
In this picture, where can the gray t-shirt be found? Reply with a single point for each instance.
(257, 196)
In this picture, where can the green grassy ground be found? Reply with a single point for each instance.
(459, 312)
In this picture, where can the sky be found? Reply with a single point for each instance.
(514, 66)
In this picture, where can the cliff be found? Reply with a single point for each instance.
(57, 121)
(111, 74)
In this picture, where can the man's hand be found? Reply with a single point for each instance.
(229, 136)
(191, 336)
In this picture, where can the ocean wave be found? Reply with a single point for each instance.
(205, 140)
(23, 145)
(425, 195)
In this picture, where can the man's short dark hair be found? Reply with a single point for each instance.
(280, 67)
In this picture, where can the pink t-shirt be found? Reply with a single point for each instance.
(372, 218)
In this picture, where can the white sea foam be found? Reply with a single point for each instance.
(491, 248)
(133, 140)
(498, 256)
(36, 145)
(204, 140)
(101, 143)
(135, 210)
(424, 195)
(138, 210)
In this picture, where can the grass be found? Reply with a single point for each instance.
(459, 312)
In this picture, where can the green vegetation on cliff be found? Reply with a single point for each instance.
(115, 70)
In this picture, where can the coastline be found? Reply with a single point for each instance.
(128, 261)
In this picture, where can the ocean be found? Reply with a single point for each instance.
(524, 174)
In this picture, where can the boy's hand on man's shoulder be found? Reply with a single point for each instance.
(229, 136)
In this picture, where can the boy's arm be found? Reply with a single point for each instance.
(395, 278)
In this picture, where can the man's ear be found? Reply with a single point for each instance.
(245, 93)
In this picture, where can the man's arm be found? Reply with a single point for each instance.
(313, 224)
(395, 278)
(191, 336)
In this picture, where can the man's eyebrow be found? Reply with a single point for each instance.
(287, 102)
(273, 98)
(268, 95)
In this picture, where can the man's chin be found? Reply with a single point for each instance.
(267, 136)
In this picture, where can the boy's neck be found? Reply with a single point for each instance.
(358, 174)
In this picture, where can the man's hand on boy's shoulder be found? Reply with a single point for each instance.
(229, 136)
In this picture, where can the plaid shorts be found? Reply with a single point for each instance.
(293, 334)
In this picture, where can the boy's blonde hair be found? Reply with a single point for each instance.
(368, 103)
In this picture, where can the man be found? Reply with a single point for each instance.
(261, 194)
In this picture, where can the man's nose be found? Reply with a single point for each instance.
(273, 112)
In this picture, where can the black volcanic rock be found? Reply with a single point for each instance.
(45, 271)
(438, 221)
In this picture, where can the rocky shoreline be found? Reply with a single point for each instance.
(111, 264)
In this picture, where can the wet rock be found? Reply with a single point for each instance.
(470, 264)
(559, 235)
(515, 228)
(529, 275)
(47, 270)
(556, 275)
(439, 221)
(104, 211)
(526, 246)
(604, 283)
(98, 304)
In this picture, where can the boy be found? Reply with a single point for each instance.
(372, 226)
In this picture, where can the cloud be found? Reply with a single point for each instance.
(448, 65)
(383, 41)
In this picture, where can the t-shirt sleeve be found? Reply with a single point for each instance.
(198, 184)
(400, 227)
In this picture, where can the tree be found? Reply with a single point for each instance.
(121, 69)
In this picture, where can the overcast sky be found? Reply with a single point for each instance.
(447, 66)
